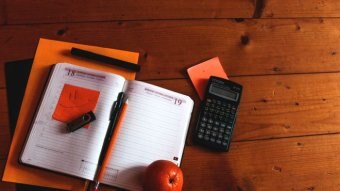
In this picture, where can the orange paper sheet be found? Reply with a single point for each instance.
(74, 102)
(200, 74)
(50, 52)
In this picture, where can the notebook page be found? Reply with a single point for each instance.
(154, 127)
(49, 144)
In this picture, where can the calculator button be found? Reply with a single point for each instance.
(203, 125)
(214, 134)
(207, 132)
(221, 130)
(206, 138)
(210, 121)
(200, 136)
(220, 136)
(229, 127)
(217, 123)
(223, 125)
(201, 130)
(215, 128)
(226, 137)
(208, 100)
(212, 139)
(209, 126)
(224, 143)
(204, 119)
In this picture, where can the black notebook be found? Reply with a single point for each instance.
(16, 74)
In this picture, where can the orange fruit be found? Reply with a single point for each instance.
(163, 175)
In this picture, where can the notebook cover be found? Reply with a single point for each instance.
(200, 74)
(16, 81)
(50, 52)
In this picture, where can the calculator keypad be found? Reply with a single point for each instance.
(216, 123)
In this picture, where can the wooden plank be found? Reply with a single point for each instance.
(2, 76)
(5, 141)
(4, 119)
(294, 9)
(2, 12)
(305, 163)
(279, 106)
(272, 106)
(167, 48)
(5, 137)
(22, 12)
(3, 100)
(3, 109)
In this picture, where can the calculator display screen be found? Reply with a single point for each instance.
(227, 94)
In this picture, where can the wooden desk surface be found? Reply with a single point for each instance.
(285, 54)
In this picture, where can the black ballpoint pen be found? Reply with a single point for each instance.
(105, 59)
(116, 108)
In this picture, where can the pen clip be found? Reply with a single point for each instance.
(116, 106)
(120, 99)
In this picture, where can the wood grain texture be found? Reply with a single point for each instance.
(279, 106)
(305, 163)
(272, 106)
(301, 163)
(53, 11)
(3, 110)
(2, 12)
(5, 136)
(5, 141)
(298, 9)
(168, 48)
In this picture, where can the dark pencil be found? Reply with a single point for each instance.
(105, 59)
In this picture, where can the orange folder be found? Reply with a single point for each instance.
(50, 52)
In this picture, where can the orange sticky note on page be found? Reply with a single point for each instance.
(73, 102)
(200, 74)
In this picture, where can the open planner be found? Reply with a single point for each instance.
(154, 127)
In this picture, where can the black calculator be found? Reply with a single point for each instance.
(217, 114)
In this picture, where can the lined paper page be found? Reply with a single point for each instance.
(154, 127)
(50, 146)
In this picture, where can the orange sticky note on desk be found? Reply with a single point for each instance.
(73, 102)
(200, 74)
